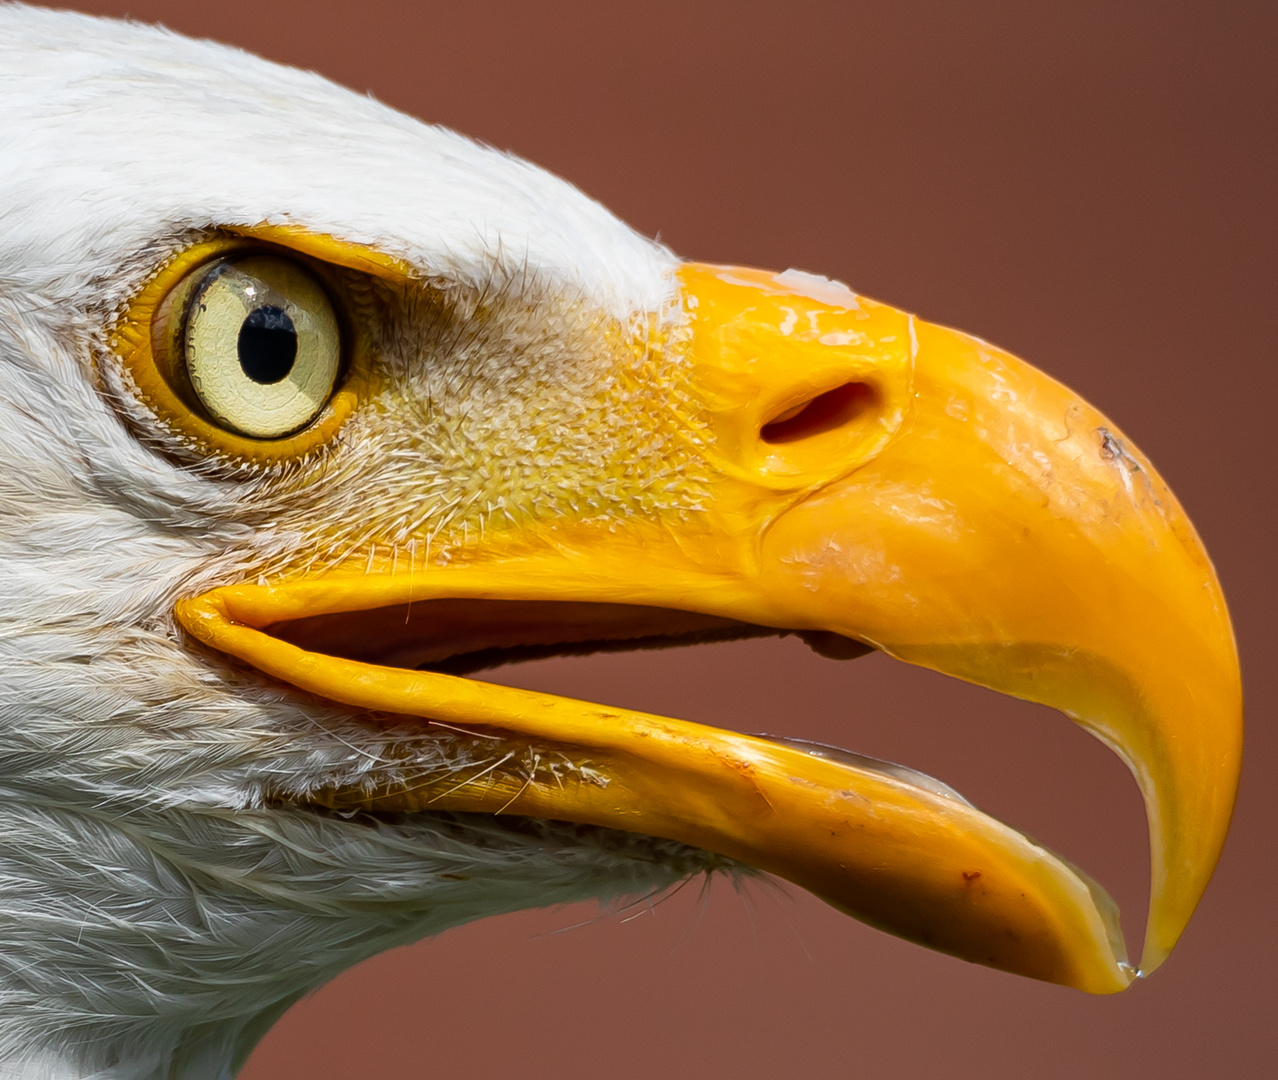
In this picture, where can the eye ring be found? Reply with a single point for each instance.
(151, 336)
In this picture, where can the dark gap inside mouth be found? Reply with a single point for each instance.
(460, 636)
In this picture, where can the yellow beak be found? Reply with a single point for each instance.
(875, 478)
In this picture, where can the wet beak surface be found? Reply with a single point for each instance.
(892, 482)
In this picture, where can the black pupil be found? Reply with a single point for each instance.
(267, 345)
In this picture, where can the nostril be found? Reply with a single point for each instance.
(820, 414)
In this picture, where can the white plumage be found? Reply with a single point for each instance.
(156, 910)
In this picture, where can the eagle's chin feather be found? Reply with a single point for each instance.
(229, 916)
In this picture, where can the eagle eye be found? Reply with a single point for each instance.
(250, 351)
(262, 346)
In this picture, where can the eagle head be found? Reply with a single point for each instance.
(311, 411)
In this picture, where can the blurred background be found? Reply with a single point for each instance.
(1090, 185)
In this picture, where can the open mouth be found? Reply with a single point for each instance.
(463, 637)
(889, 845)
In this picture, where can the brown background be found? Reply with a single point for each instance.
(1088, 184)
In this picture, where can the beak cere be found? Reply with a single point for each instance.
(878, 479)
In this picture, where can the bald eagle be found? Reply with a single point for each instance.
(309, 412)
